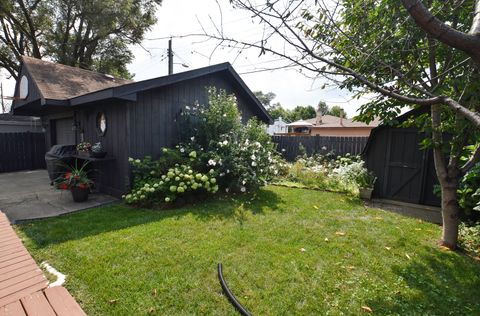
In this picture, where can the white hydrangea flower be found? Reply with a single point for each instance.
(211, 162)
(243, 189)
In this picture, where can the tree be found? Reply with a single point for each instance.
(323, 107)
(265, 98)
(88, 34)
(405, 55)
(337, 111)
(302, 113)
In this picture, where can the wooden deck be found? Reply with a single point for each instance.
(23, 286)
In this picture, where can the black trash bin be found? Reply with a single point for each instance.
(57, 158)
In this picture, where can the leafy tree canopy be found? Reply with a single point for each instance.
(88, 34)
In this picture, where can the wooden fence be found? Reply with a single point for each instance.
(289, 146)
(22, 151)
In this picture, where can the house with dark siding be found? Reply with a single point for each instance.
(130, 119)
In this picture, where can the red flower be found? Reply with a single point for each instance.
(83, 186)
(63, 186)
(76, 177)
(68, 175)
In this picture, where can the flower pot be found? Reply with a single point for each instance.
(80, 194)
(98, 154)
(84, 154)
(366, 193)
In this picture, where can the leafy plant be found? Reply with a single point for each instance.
(97, 147)
(74, 177)
(469, 238)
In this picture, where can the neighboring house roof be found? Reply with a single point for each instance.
(330, 121)
(300, 123)
(84, 86)
(62, 82)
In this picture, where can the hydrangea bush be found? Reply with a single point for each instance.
(216, 152)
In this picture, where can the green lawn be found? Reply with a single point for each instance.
(126, 261)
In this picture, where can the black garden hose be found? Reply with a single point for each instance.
(230, 295)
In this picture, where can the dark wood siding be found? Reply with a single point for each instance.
(33, 92)
(113, 174)
(153, 117)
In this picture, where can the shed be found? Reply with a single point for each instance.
(404, 171)
(130, 119)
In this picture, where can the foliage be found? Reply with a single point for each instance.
(265, 98)
(302, 113)
(469, 238)
(97, 147)
(181, 180)
(84, 146)
(215, 147)
(337, 111)
(89, 34)
(342, 174)
(469, 191)
(163, 263)
(75, 177)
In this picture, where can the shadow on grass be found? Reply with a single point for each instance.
(439, 283)
(116, 217)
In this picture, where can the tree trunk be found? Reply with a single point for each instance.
(450, 214)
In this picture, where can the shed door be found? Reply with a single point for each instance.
(64, 132)
(404, 166)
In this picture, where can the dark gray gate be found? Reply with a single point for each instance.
(22, 151)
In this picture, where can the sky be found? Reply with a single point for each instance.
(177, 18)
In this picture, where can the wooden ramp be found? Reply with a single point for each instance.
(23, 286)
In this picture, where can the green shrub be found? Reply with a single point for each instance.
(216, 147)
(469, 238)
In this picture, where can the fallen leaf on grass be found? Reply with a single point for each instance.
(303, 249)
(350, 267)
(367, 309)
(409, 258)
(378, 217)
(340, 234)
(326, 239)
(113, 301)
(315, 207)
(444, 248)
(154, 292)
(388, 248)
(151, 310)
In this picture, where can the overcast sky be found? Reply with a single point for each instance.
(182, 17)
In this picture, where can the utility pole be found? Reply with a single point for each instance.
(4, 110)
(170, 57)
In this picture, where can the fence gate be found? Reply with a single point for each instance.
(22, 151)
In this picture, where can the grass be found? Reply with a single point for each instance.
(126, 261)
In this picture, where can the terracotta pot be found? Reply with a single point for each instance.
(366, 193)
(80, 194)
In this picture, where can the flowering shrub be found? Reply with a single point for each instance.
(216, 149)
(343, 174)
(84, 146)
(180, 180)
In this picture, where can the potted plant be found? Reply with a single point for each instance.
(97, 151)
(76, 180)
(366, 181)
(84, 149)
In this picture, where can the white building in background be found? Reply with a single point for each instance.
(278, 127)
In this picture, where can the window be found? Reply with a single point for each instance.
(101, 124)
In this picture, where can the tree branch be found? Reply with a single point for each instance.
(468, 43)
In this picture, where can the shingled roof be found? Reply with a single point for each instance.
(329, 121)
(61, 82)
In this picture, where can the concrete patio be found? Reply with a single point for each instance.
(27, 195)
